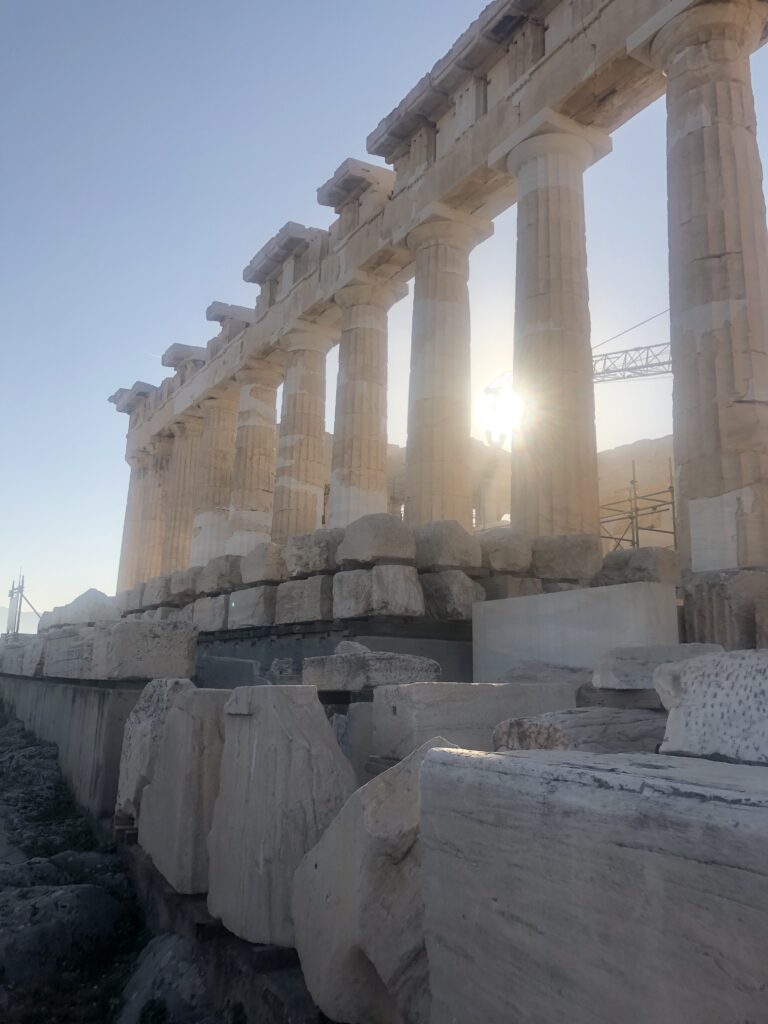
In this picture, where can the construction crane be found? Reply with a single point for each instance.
(17, 599)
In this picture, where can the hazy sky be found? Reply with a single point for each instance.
(149, 148)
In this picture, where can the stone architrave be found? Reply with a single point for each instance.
(632, 668)
(358, 908)
(438, 464)
(177, 805)
(141, 741)
(717, 706)
(214, 477)
(283, 780)
(597, 730)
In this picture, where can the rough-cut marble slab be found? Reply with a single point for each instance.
(632, 668)
(361, 669)
(374, 539)
(597, 730)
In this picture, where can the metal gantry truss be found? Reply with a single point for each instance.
(622, 521)
(17, 598)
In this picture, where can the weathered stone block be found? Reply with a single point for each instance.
(376, 538)
(141, 741)
(352, 594)
(383, 590)
(91, 608)
(597, 730)
(310, 553)
(640, 565)
(157, 592)
(365, 669)
(505, 549)
(632, 668)
(144, 650)
(544, 849)
(69, 653)
(356, 738)
(283, 780)
(305, 600)
(445, 544)
(499, 588)
(718, 706)
(570, 556)
(358, 908)
(252, 607)
(265, 564)
(220, 575)
(177, 805)
(184, 585)
(450, 595)
(720, 607)
(134, 598)
(209, 614)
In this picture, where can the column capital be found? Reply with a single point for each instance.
(370, 292)
(441, 223)
(550, 132)
(161, 444)
(188, 426)
(683, 23)
(265, 374)
(307, 336)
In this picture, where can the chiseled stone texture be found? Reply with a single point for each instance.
(22, 655)
(141, 741)
(375, 538)
(632, 668)
(69, 653)
(264, 564)
(145, 650)
(90, 608)
(505, 549)
(569, 556)
(405, 716)
(534, 867)
(597, 730)
(252, 607)
(209, 614)
(363, 669)
(383, 590)
(720, 607)
(283, 780)
(177, 805)
(450, 595)
(445, 544)
(306, 554)
(304, 600)
(718, 706)
(185, 584)
(358, 908)
(157, 592)
(220, 575)
(640, 565)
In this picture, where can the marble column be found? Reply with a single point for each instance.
(300, 473)
(214, 477)
(253, 479)
(187, 435)
(438, 462)
(718, 264)
(359, 461)
(132, 527)
(554, 459)
(155, 507)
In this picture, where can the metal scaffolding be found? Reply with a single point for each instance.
(17, 598)
(638, 513)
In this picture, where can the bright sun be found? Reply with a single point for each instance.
(502, 413)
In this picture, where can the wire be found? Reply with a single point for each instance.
(630, 329)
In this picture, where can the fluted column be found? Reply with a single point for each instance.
(300, 466)
(438, 464)
(132, 527)
(214, 477)
(554, 463)
(181, 499)
(359, 462)
(155, 507)
(253, 480)
(718, 262)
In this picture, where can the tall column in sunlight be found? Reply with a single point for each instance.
(438, 458)
(554, 460)
(130, 551)
(253, 480)
(718, 259)
(359, 461)
(214, 477)
(300, 474)
(187, 434)
(156, 506)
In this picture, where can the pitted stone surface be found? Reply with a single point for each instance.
(358, 908)
(640, 565)
(252, 607)
(283, 780)
(598, 730)
(569, 556)
(718, 706)
(445, 544)
(632, 668)
(308, 553)
(220, 575)
(376, 538)
(144, 650)
(506, 550)
(304, 600)
(264, 564)
(364, 669)
(450, 595)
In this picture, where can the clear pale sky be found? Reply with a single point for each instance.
(150, 147)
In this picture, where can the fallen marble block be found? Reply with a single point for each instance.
(177, 805)
(304, 600)
(382, 590)
(637, 882)
(157, 592)
(209, 614)
(143, 734)
(450, 595)
(374, 539)
(252, 607)
(569, 556)
(640, 565)
(265, 564)
(91, 608)
(221, 575)
(307, 554)
(505, 549)
(144, 651)
(364, 669)
(358, 908)
(445, 544)
(718, 706)
(184, 585)
(283, 780)
(598, 730)
(405, 716)
(632, 668)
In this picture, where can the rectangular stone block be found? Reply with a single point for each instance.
(220, 575)
(597, 730)
(663, 923)
(265, 564)
(570, 556)
(383, 590)
(571, 628)
(184, 585)
(144, 651)
(307, 600)
(362, 669)
(252, 607)
(632, 668)
(209, 614)
(69, 653)
(306, 554)
(157, 592)
(133, 599)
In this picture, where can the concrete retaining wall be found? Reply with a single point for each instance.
(86, 724)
